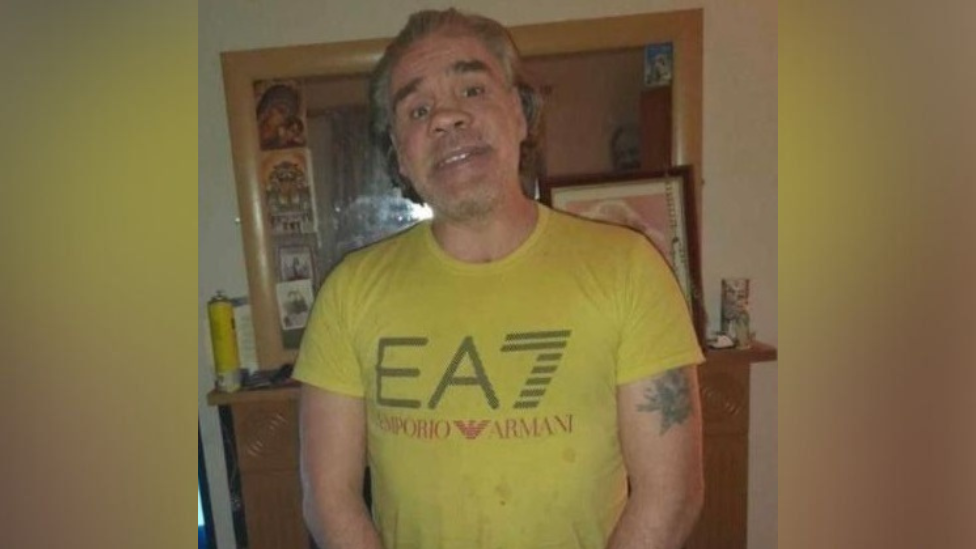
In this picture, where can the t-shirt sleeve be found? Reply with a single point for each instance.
(657, 332)
(326, 358)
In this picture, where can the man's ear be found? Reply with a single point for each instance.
(396, 151)
(523, 122)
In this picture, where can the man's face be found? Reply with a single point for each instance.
(457, 125)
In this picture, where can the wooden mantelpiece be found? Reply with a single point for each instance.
(289, 392)
(266, 433)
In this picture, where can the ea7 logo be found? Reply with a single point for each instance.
(547, 348)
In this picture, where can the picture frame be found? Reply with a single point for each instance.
(660, 204)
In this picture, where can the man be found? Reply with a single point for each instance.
(504, 369)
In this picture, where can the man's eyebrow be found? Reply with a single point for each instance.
(474, 65)
(459, 67)
(404, 91)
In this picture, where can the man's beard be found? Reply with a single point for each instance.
(469, 204)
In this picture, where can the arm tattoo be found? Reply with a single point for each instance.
(669, 394)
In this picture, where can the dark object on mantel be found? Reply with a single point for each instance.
(266, 379)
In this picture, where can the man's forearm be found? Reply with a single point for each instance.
(656, 523)
(333, 442)
(341, 524)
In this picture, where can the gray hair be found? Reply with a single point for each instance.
(498, 41)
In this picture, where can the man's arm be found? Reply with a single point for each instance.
(660, 435)
(333, 454)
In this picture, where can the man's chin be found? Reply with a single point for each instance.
(462, 209)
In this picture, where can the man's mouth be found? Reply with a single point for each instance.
(460, 155)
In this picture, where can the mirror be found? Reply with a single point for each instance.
(309, 190)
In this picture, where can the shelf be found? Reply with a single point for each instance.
(759, 352)
(285, 392)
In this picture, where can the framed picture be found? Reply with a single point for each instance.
(662, 205)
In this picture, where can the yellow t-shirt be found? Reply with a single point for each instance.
(491, 388)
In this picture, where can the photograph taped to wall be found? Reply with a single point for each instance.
(294, 303)
(295, 263)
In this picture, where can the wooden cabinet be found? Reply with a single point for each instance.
(266, 449)
(724, 385)
(267, 457)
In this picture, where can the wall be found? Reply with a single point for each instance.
(739, 169)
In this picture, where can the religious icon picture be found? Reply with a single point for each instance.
(658, 65)
(288, 192)
(280, 114)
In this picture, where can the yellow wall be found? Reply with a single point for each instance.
(739, 168)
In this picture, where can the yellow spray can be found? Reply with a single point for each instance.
(223, 336)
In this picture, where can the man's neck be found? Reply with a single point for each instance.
(489, 238)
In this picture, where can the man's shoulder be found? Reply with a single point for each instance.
(601, 244)
(377, 256)
(574, 227)
(385, 247)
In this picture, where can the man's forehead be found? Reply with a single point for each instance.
(446, 53)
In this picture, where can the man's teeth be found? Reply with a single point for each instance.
(455, 158)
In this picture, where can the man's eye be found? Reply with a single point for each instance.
(474, 91)
(419, 112)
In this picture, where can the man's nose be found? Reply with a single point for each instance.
(449, 117)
